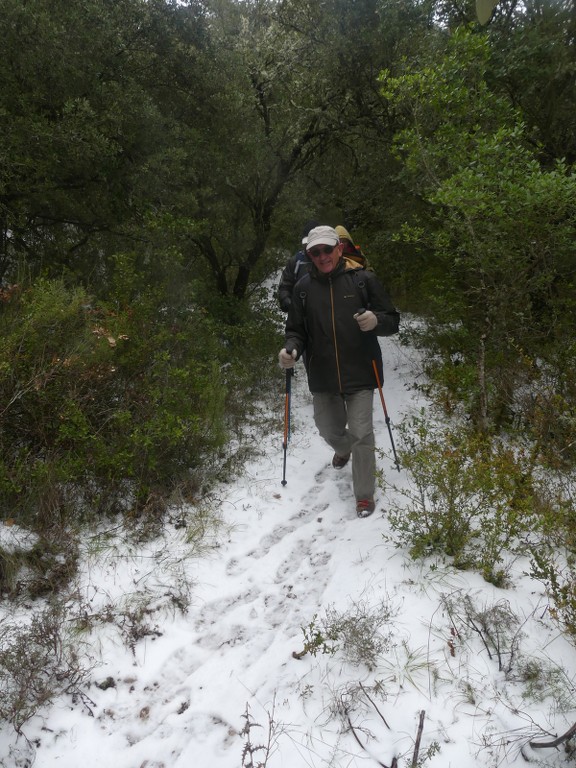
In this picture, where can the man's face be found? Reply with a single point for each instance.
(325, 257)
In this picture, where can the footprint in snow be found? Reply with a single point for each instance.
(290, 565)
(323, 474)
(270, 540)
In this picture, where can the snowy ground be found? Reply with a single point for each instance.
(297, 557)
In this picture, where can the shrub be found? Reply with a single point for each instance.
(496, 625)
(471, 497)
(105, 409)
(358, 634)
(38, 662)
(548, 411)
(553, 555)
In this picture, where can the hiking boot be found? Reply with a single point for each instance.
(340, 461)
(365, 507)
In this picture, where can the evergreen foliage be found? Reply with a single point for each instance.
(105, 410)
(501, 226)
(473, 499)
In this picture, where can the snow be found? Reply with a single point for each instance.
(288, 559)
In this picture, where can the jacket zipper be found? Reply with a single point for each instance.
(334, 334)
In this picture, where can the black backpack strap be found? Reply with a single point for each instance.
(360, 281)
(303, 294)
(300, 257)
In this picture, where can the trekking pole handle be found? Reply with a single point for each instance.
(289, 371)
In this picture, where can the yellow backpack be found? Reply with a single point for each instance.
(351, 251)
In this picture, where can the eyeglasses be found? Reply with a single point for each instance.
(326, 249)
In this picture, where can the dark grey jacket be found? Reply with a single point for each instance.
(321, 323)
(297, 266)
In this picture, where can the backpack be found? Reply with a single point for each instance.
(301, 261)
(354, 253)
(351, 250)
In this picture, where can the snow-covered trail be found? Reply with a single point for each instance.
(291, 553)
(294, 550)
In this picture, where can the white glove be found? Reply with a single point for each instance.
(287, 359)
(366, 320)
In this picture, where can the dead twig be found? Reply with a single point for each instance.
(394, 763)
(418, 738)
(365, 692)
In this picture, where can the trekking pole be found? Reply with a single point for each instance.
(386, 417)
(287, 399)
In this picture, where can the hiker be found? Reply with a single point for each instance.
(297, 266)
(351, 250)
(338, 311)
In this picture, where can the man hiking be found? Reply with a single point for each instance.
(297, 266)
(338, 310)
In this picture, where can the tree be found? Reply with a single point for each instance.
(502, 274)
(533, 63)
(294, 129)
(268, 119)
(85, 144)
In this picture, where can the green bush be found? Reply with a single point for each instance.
(470, 497)
(499, 228)
(106, 408)
(553, 554)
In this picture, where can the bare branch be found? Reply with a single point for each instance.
(556, 742)
(418, 738)
(375, 707)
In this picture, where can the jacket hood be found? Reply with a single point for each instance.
(343, 233)
(350, 264)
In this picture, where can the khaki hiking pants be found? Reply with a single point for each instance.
(345, 422)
